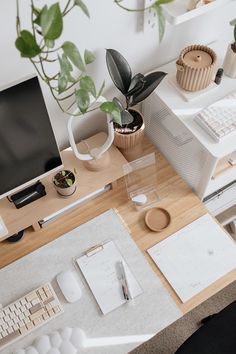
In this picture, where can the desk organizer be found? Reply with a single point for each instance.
(141, 181)
(195, 67)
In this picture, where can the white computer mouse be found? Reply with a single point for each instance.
(69, 286)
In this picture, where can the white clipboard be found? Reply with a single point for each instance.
(100, 267)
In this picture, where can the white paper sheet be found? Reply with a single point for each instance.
(195, 256)
(101, 271)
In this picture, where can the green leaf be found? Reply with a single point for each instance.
(161, 20)
(50, 43)
(89, 57)
(51, 22)
(65, 68)
(83, 7)
(73, 54)
(162, 2)
(233, 22)
(126, 117)
(112, 109)
(101, 89)
(69, 182)
(86, 83)
(119, 70)
(82, 100)
(37, 12)
(27, 45)
(151, 81)
(63, 173)
(62, 83)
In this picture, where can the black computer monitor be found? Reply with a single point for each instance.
(28, 148)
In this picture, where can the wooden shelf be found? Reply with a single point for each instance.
(88, 182)
(227, 216)
(177, 12)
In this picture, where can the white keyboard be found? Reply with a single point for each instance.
(28, 313)
(219, 119)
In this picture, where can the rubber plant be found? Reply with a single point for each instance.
(134, 88)
(155, 6)
(70, 85)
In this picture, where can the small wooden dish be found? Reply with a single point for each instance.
(157, 219)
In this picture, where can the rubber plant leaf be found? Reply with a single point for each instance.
(118, 103)
(73, 54)
(151, 82)
(119, 70)
(87, 84)
(27, 45)
(51, 22)
(126, 117)
(82, 100)
(137, 83)
(83, 7)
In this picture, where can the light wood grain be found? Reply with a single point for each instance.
(183, 205)
(88, 181)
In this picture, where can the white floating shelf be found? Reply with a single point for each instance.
(176, 12)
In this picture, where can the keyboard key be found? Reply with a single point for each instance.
(28, 313)
(219, 119)
(9, 338)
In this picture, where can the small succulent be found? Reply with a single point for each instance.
(233, 46)
(64, 178)
(134, 88)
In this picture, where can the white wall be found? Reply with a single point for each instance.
(109, 27)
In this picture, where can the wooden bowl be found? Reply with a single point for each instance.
(157, 219)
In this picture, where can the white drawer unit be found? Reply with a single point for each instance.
(206, 165)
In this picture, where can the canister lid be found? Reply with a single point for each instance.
(198, 59)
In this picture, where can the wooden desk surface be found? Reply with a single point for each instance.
(183, 205)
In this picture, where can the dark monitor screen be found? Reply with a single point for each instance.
(28, 148)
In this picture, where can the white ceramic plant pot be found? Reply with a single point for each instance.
(66, 192)
(229, 64)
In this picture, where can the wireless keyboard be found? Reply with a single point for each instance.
(28, 313)
(219, 119)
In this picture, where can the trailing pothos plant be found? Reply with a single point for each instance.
(155, 6)
(134, 88)
(70, 85)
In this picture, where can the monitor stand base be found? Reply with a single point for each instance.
(16, 237)
(28, 195)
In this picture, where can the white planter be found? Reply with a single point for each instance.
(229, 64)
(65, 191)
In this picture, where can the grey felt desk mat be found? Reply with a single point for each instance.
(148, 314)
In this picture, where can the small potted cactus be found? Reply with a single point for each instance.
(65, 182)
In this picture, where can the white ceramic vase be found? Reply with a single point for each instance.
(229, 64)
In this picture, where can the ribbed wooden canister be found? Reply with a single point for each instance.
(197, 75)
